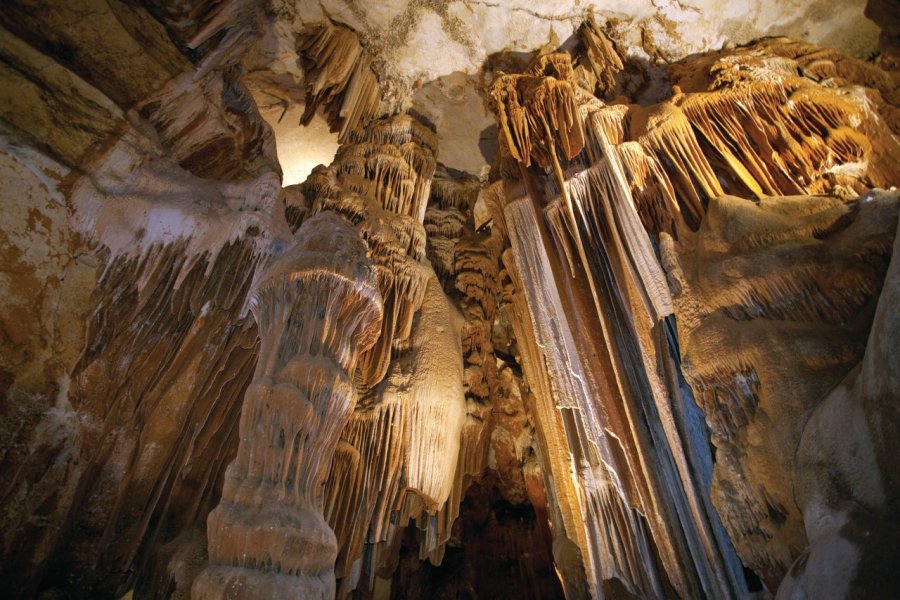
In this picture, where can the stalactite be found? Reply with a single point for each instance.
(446, 220)
(339, 78)
(782, 58)
(236, 24)
(316, 306)
(538, 113)
(595, 231)
(600, 56)
(788, 137)
(666, 132)
(653, 194)
(600, 194)
(380, 181)
(402, 449)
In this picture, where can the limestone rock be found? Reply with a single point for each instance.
(317, 306)
(848, 499)
(585, 301)
(813, 318)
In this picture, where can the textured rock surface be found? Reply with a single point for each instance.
(848, 498)
(316, 306)
(666, 166)
(789, 337)
(439, 57)
(427, 40)
(133, 350)
(631, 358)
(594, 454)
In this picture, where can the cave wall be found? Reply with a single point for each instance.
(631, 359)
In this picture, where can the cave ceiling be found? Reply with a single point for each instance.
(437, 58)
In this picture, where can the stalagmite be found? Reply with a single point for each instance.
(400, 458)
(317, 307)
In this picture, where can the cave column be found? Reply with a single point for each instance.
(317, 307)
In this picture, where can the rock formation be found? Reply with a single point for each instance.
(664, 168)
(813, 316)
(589, 302)
(848, 500)
(316, 307)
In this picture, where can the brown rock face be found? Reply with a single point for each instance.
(848, 498)
(139, 363)
(762, 347)
(648, 353)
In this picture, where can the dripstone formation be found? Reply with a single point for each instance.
(586, 304)
(316, 307)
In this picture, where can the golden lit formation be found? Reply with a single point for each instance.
(460, 299)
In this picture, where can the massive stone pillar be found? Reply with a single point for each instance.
(317, 306)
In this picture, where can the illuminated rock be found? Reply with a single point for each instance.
(317, 307)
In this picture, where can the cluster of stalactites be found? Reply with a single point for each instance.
(757, 139)
(601, 59)
(790, 137)
(657, 168)
(404, 457)
(395, 159)
(339, 78)
(538, 112)
(782, 59)
(475, 273)
(380, 180)
(453, 190)
(447, 219)
(752, 124)
(410, 449)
